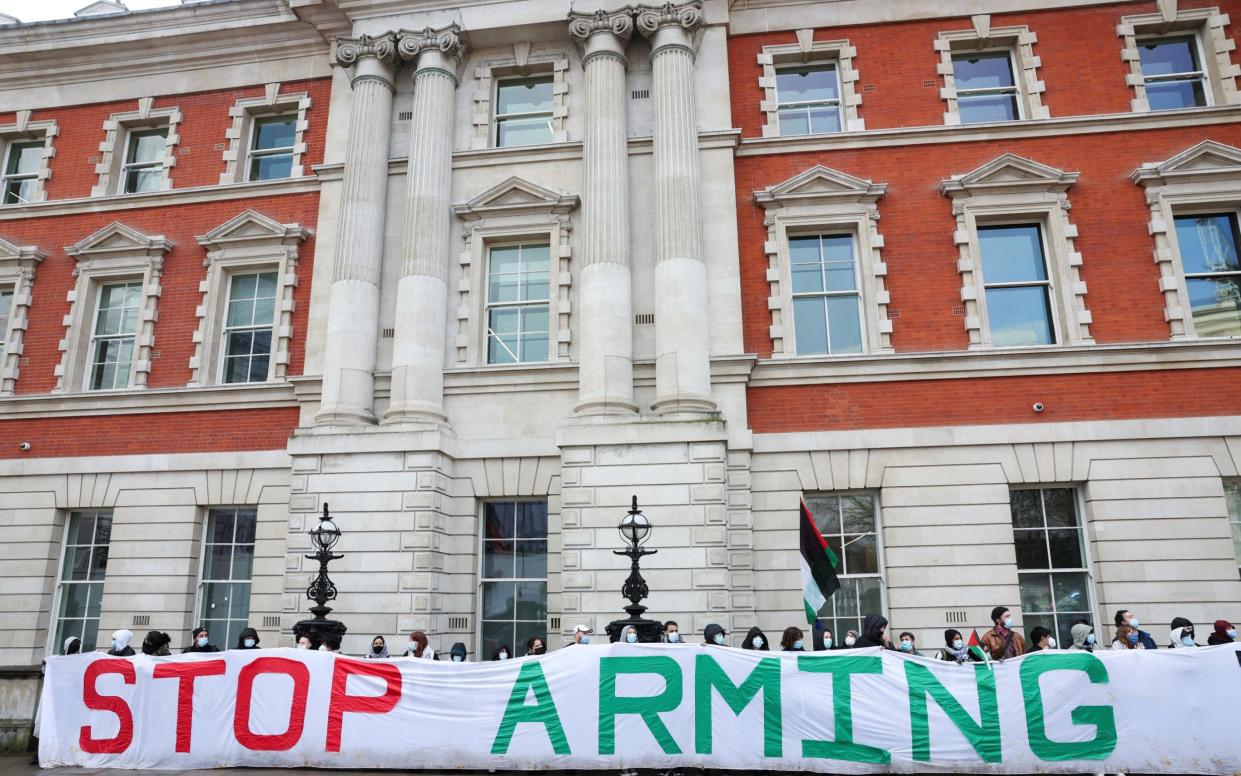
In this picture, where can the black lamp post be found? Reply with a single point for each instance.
(324, 537)
(635, 529)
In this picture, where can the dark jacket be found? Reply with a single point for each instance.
(1146, 640)
(250, 633)
(748, 643)
(126, 652)
(193, 647)
(872, 632)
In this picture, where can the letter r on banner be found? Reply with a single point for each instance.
(342, 702)
(279, 742)
(93, 700)
(187, 673)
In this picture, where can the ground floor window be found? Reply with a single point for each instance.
(849, 522)
(1051, 560)
(84, 562)
(228, 561)
(513, 597)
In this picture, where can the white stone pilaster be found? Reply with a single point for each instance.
(605, 352)
(353, 306)
(422, 292)
(682, 342)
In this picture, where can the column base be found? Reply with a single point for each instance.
(415, 413)
(699, 404)
(345, 416)
(605, 407)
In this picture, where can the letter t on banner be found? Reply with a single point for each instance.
(187, 673)
(342, 702)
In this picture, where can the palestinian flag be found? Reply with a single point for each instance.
(818, 567)
(976, 649)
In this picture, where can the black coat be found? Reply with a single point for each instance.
(872, 632)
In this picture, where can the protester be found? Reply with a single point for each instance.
(536, 646)
(672, 632)
(1126, 617)
(714, 635)
(628, 635)
(581, 634)
(72, 646)
(1041, 640)
(331, 643)
(793, 640)
(755, 639)
(120, 643)
(1127, 637)
(249, 639)
(1180, 638)
(304, 642)
(156, 643)
(379, 649)
(1224, 633)
(1002, 642)
(850, 639)
(954, 649)
(908, 644)
(1083, 637)
(457, 653)
(419, 647)
(874, 632)
(827, 642)
(200, 641)
(501, 652)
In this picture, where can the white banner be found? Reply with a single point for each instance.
(650, 706)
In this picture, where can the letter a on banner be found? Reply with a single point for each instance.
(543, 712)
(93, 700)
(1102, 717)
(647, 707)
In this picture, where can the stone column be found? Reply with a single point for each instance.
(353, 307)
(422, 292)
(605, 326)
(682, 339)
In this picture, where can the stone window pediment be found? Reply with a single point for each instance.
(17, 271)
(807, 52)
(522, 60)
(1018, 41)
(1211, 45)
(114, 149)
(240, 134)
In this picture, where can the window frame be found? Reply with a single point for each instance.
(480, 546)
(7, 177)
(522, 63)
(497, 118)
(24, 130)
(1214, 50)
(253, 153)
(1017, 40)
(807, 52)
(114, 150)
(245, 112)
(881, 574)
(204, 523)
(128, 165)
(225, 329)
(1050, 284)
(1234, 518)
(94, 338)
(858, 290)
(52, 647)
(488, 305)
(837, 104)
(1199, 52)
(1014, 72)
(1183, 277)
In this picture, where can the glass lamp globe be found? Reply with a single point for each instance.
(326, 534)
(635, 528)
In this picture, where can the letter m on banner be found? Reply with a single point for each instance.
(765, 678)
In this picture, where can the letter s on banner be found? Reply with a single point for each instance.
(279, 742)
(187, 673)
(342, 702)
(118, 706)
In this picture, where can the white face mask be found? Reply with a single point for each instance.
(457, 658)
(1051, 643)
(504, 656)
(248, 643)
(412, 646)
(1134, 622)
(323, 648)
(958, 644)
(674, 637)
(1231, 633)
(202, 641)
(585, 639)
(850, 641)
(632, 638)
(719, 639)
(303, 645)
(758, 642)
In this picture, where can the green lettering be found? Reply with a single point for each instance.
(984, 736)
(1102, 717)
(543, 712)
(648, 706)
(765, 678)
(843, 748)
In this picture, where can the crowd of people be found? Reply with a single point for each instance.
(1000, 642)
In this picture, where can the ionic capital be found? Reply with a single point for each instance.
(448, 43)
(381, 47)
(584, 24)
(686, 16)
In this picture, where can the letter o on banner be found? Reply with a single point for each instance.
(93, 700)
(279, 742)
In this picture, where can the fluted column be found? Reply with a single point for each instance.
(605, 325)
(353, 306)
(422, 292)
(682, 333)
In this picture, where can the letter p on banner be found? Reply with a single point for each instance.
(343, 703)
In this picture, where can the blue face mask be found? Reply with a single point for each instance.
(1133, 638)
(1008, 622)
(758, 642)
(1134, 622)
(958, 644)
(797, 644)
(1231, 633)
(1090, 639)
(632, 638)
(827, 643)
(674, 637)
(719, 639)
(907, 646)
(1188, 641)
(586, 639)
(249, 643)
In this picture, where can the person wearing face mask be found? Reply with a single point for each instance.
(874, 632)
(419, 647)
(955, 649)
(200, 641)
(581, 635)
(1002, 642)
(1181, 633)
(304, 642)
(120, 643)
(536, 646)
(155, 643)
(249, 639)
(1083, 637)
(1127, 638)
(1224, 633)
(458, 653)
(850, 639)
(628, 635)
(672, 633)
(793, 640)
(502, 652)
(755, 639)
(1041, 640)
(379, 649)
(908, 644)
(714, 635)
(331, 643)
(1126, 617)
(824, 638)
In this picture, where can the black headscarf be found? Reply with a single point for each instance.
(708, 633)
(248, 633)
(748, 642)
(872, 631)
(458, 649)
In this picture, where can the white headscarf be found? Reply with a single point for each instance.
(122, 638)
(1176, 635)
(68, 643)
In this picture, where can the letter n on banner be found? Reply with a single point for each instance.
(764, 678)
(843, 748)
(96, 702)
(342, 702)
(1102, 717)
(984, 736)
(648, 707)
(543, 712)
(278, 742)
(187, 673)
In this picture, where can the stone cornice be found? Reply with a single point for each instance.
(233, 397)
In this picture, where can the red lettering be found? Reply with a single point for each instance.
(93, 700)
(343, 703)
(187, 673)
(278, 742)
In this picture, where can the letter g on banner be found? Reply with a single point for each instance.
(1102, 717)
(279, 742)
(93, 700)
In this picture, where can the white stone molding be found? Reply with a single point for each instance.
(24, 130)
(1012, 189)
(809, 52)
(116, 134)
(1207, 175)
(114, 253)
(816, 201)
(982, 36)
(523, 59)
(513, 210)
(353, 303)
(248, 242)
(17, 271)
(1216, 47)
(238, 135)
